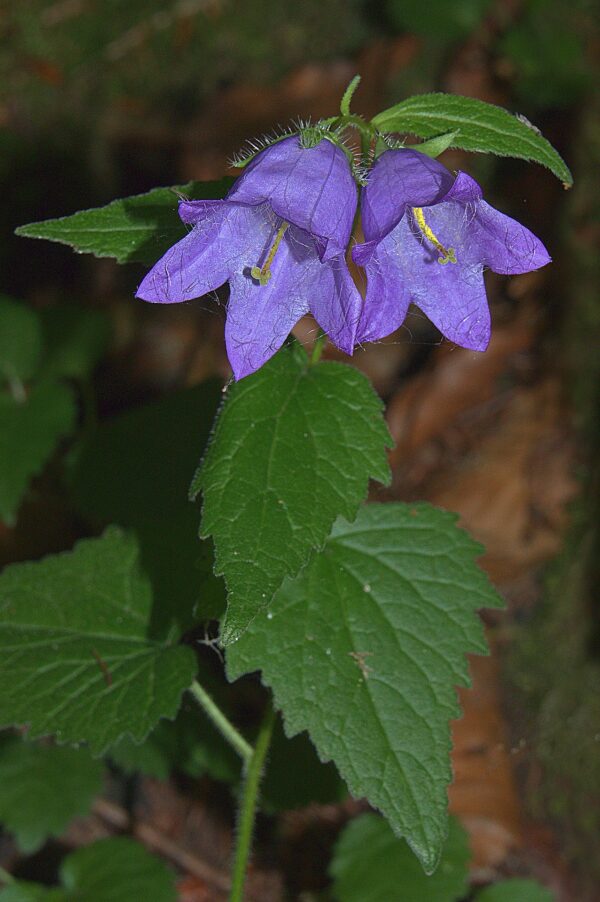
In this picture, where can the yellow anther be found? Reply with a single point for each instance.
(447, 254)
(262, 274)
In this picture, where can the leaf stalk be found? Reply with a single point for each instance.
(223, 725)
(247, 814)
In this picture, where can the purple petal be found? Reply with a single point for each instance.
(260, 317)
(335, 302)
(465, 190)
(193, 211)
(221, 244)
(452, 295)
(504, 244)
(400, 178)
(313, 188)
(387, 299)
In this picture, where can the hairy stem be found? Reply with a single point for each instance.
(348, 94)
(254, 770)
(224, 726)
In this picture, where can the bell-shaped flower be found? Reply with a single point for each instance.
(279, 238)
(428, 237)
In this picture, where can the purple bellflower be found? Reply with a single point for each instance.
(428, 236)
(279, 238)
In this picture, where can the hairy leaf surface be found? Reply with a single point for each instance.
(294, 447)
(133, 229)
(479, 126)
(364, 651)
(76, 657)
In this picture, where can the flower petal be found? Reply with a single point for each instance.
(260, 317)
(504, 244)
(220, 244)
(193, 211)
(335, 302)
(387, 299)
(400, 178)
(452, 295)
(313, 188)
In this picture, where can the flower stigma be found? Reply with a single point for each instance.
(262, 274)
(447, 255)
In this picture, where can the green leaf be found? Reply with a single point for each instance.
(138, 228)
(20, 340)
(435, 146)
(478, 125)
(312, 780)
(370, 864)
(515, 891)
(118, 869)
(75, 339)
(77, 656)
(42, 787)
(29, 432)
(294, 447)
(190, 744)
(364, 650)
(24, 891)
(135, 470)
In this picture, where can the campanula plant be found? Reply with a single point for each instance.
(279, 238)
(428, 237)
(358, 617)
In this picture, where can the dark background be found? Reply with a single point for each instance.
(105, 99)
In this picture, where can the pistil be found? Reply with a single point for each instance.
(262, 274)
(447, 255)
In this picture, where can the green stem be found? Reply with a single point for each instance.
(319, 347)
(226, 729)
(348, 94)
(253, 774)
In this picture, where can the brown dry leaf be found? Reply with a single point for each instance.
(483, 794)
(457, 380)
(513, 492)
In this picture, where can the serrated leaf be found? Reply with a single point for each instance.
(43, 787)
(135, 470)
(29, 432)
(515, 891)
(133, 229)
(20, 340)
(294, 447)
(479, 126)
(75, 339)
(110, 870)
(77, 659)
(370, 864)
(364, 650)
